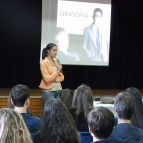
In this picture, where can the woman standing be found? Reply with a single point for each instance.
(51, 75)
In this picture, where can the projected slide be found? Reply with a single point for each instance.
(80, 29)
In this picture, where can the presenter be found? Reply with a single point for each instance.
(51, 74)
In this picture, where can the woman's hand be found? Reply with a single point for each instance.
(54, 80)
(59, 67)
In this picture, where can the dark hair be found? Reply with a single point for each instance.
(66, 97)
(97, 10)
(58, 124)
(101, 122)
(124, 105)
(48, 47)
(9, 103)
(19, 94)
(82, 100)
(137, 117)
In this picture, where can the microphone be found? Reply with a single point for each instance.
(58, 61)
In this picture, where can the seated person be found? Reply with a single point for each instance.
(10, 105)
(20, 98)
(101, 124)
(66, 97)
(13, 128)
(137, 117)
(82, 104)
(58, 125)
(124, 106)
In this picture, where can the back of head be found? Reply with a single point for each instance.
(66, 97)
(124, 105)
(19, 94)
(58, 124)
(137, 118)
(82, 100)
(13, 128)
(136, 93)
(9, 103)
(101, 122)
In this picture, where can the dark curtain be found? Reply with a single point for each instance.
(20, 41)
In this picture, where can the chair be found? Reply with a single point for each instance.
(86, 137)
(93, 98)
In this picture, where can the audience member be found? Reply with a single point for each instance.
(66, 97)
(12, 127)
(137, 117)
(101, 123)
(82, 104)
(58, 125)
(20, 98)
(124, 106)
(10, 105)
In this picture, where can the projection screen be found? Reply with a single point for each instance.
(80, 29)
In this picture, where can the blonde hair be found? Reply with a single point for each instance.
(13, 128)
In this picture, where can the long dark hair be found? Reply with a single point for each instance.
(66, 97)
(58, 124)
(137, 117)
(82, 100)
(9, 104)
(48, 47)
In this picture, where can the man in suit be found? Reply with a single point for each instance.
(95, 40)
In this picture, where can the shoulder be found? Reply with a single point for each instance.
(31, 119)
(116, 140)
(139, 130)
(80, 116)
(36, 119)
(111, 140)
(44, 61)
(87, 28)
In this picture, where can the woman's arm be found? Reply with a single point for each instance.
(60, 77)
(45, 68)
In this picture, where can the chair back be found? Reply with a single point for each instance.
(86, 137)
(93, 98)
